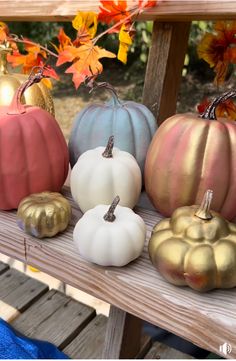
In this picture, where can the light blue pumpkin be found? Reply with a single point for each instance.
(131, 123)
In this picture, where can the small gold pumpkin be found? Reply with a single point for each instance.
(44, 214)
(195, 247)
(38, 95)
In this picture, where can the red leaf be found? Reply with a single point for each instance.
(113, 11)
(147, 4)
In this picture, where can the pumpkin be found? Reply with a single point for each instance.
(195, 247)
(101, 173)
(33, 155)
(189, 154)
(44, 214)
(110, 239)
(38, 95)
(132, 124)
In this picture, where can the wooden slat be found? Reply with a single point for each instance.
(57, 10)
(123, 335)
(19, 290)
(7, 312)
(55, 318)
(137, 288)
(161, 351)
(164, 68)
(90, 342)
(3, 267)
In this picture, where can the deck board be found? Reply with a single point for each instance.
(54, 311)
(57, 10)
(137, 288)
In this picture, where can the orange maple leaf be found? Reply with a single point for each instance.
(64, 40)
(226, 109)
(4, 32)
(86, 61)
(218, 49)
(113, 11)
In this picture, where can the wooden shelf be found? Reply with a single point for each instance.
(208, 320)
(171, 10)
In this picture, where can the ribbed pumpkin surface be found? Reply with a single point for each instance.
(187, 156)
(131, 123)
(33, 155)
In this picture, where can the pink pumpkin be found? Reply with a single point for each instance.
(33, 152)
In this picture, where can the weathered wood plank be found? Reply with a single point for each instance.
(54, 312)
(161, 351)
(7, 312)
(3, 267)
(146, 343)
(164, 68)
(137, 288)
(123, 335)
(90, 341)
(58, 10)
(19, 290)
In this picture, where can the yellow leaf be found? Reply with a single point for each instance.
(87, 20)
(125, 42)
(47, 82)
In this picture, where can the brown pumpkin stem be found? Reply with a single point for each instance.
(16, 107)
(109, 148)
(203, 211)
(210, 112)
(107, 87)
(109, 216)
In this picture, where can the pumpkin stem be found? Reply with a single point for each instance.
(210, 112)
(203, 211)
(110, 89)
(109, 216)
(109, 148)
(16, 107)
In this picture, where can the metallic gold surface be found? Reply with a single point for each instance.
(44, 214)
(200, 253)
(38, 94)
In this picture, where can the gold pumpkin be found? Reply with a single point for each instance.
(44, 214)
(38, 95)
(195, 247)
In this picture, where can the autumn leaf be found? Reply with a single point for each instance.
(86, 61)
(64, 40)
(218, 49)
(4, 31)
(147, 3)
(113, 11)
(86, 24)
(226, 109)
(125, 42)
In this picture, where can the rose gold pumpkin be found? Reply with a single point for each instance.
(188, 155)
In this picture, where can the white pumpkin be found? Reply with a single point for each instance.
(109, 239)
(99, 175)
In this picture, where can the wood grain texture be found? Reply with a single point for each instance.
(64, 10)
(161, 351)
(208, 320)
(54, 311)
(3, 267)
(164, 68)
(90, 341)
(123, 335)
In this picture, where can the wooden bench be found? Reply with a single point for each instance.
(50, 315)
(136, 291)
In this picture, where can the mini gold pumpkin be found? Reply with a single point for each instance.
(195, 247)
(44, 214)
